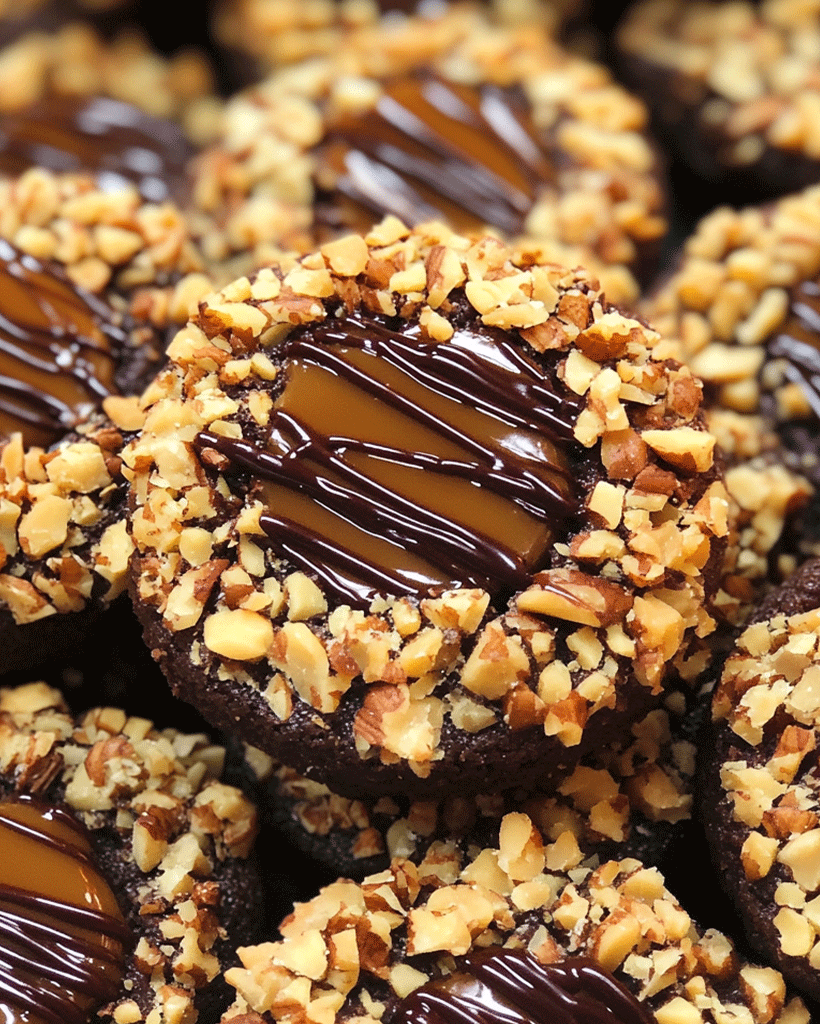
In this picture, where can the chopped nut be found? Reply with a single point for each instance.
(239, 634)
(413, 667)
(690, 449)
(572, 595)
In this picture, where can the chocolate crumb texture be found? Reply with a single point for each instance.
(171, 839)
(357, 949)
(591, 635)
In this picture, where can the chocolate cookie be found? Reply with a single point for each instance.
(624, 800)
(126, 884)
(411, 516)
(414, 938)
(448, 117)
(258, 36)
(93, 284)
(760, 799)
(733, 88)
(117, 142)
(73, 61)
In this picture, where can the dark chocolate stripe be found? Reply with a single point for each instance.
(64, 966)
(30, 934)
(506, 986)
(83, 917)
(59, 348)
(56, 814)
(516, 392)
(43, 1006)
(433, 148)
(118, 143)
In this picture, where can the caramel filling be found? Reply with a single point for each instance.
(58, 349)
(116, 142)
(509, 986)
(396, 465)
(432, 149)
(62, 935)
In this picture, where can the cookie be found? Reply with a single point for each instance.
(760, 800)
(739, 303)
(314, 593)
(625, 800)
(93, 285)
(733, 88)
(451, 117)
(126, 879)
(383, 949)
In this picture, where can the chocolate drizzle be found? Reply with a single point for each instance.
(59, 348)
(798, 341)
(118, 143)
(62, 935)
(398, 465)
(509, 986)
(432, 149)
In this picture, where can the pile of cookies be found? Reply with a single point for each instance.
(408, 509)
